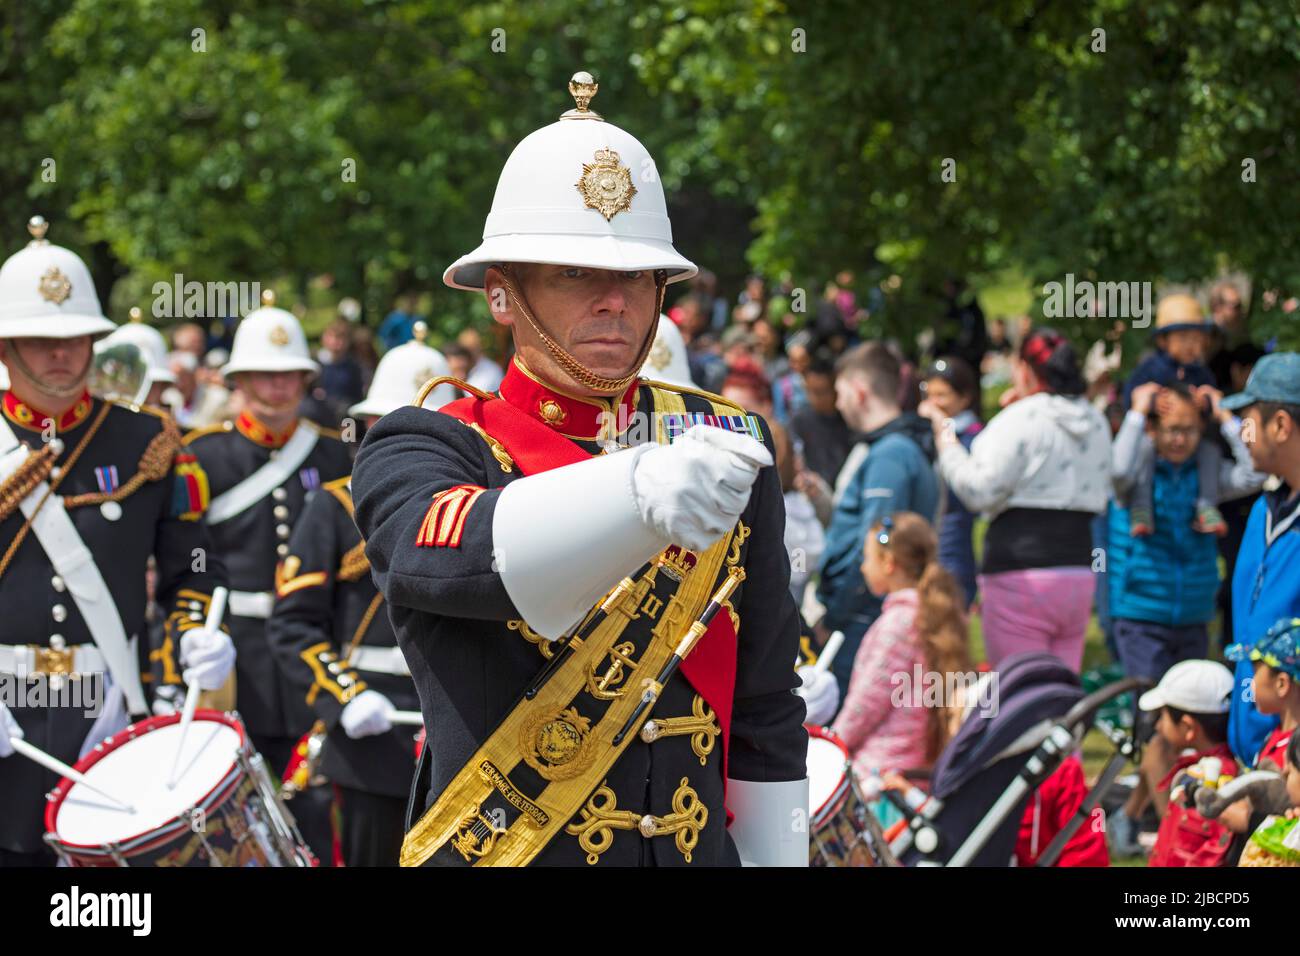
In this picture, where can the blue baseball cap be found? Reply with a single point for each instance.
(1275, 378)
(1279, 648)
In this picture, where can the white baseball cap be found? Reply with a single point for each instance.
(1197, 687)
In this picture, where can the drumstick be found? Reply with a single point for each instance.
(58, 766)
(412, 717)
(827, 656)
(216, 610)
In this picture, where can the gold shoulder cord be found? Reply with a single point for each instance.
(457, 816)
(45, 458)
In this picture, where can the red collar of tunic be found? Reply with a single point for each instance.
(248, 425)
(572, 416)
(29, 417)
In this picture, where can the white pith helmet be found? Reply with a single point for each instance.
(580, 192)
(46, 292)
(666, 360)
(401, 373)
(269, 340)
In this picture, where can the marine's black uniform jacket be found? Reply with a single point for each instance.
(253, 543)
(471, 655)
(132, 493)
(326, 604)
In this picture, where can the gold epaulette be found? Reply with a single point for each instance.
(684, 389)
(354, 563)
(207, 430)
(139, 408)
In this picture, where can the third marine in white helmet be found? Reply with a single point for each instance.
(401, 373)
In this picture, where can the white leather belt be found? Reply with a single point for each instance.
(380, 660)
(251, 603)
(262, 482)
(23, 660)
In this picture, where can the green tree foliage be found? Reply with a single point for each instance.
(920, 139)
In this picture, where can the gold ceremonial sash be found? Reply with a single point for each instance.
(550, 725)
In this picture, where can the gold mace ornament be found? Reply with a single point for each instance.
(582, 87)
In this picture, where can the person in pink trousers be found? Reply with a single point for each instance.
(1040, 471)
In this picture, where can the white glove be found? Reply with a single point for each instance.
(8, 728)
(167, 701)
(366, 715)
(693, 490)
(820, 693)
(207, 657)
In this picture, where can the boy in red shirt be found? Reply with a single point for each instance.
(1276, 688)
(1193, 699)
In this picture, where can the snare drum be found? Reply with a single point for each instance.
(844, 831)
(222, 811)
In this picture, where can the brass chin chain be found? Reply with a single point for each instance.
(45, 388)
(578, 372)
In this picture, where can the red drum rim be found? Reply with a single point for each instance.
(837, 796)
(110, 744)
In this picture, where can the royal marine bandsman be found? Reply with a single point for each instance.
(89, 491)
(333, 640)
(585, 570)
(262, 468)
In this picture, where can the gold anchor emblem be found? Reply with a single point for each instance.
(606, 686)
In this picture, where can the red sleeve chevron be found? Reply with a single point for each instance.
(444, 523)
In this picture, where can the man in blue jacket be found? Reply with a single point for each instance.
(1266, 583)
(892, 470)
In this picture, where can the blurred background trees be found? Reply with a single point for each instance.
(1006, 142)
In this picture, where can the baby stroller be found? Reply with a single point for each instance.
(983, 779)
